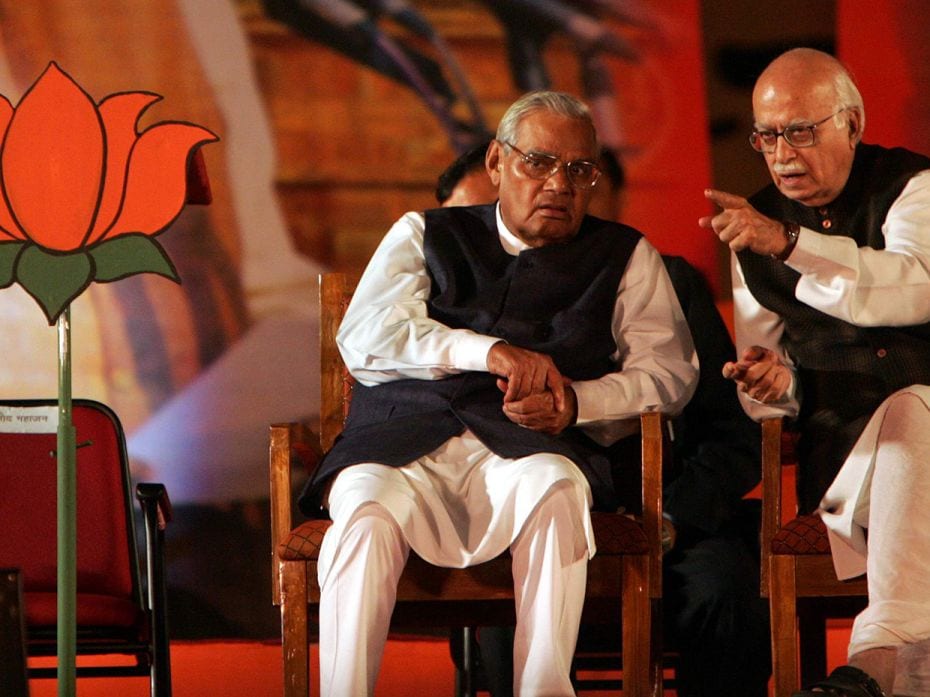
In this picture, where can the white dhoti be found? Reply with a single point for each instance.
(884, 488)
(458, 506)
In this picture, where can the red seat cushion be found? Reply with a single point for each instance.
(805, 534)
(92, 610)
(303, 542)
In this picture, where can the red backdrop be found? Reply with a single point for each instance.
(887, 50)
(664, 107)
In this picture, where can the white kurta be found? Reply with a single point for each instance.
(868, 288)
(462, 516)
(462, 504)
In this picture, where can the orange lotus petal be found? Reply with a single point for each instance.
(120, 114)
(157, 185)
(52, 162)
(9, 230)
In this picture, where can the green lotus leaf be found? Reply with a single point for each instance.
(8, 253)
(54, 280)
(127, 255)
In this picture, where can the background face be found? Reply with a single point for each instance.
(541, 212)
(474, 189)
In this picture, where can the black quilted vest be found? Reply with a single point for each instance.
(845, 371)
(557, 299)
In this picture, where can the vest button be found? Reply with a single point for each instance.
(826, 224)
(881, 353)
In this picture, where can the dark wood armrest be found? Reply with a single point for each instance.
(771, 491)
(651, 425)
(288, 442)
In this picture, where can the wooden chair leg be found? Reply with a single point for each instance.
(638, 674)
(783, 607)
(294, 630)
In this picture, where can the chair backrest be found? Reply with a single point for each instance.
(335, 382)
(106, 560)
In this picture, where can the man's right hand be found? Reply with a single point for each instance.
(741, 226)
(525, 372)
(760, 374)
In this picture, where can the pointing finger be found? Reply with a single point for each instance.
(724, 199)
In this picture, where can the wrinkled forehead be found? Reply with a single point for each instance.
(547, 131)
(785, 98)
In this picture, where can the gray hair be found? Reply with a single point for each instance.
(848, 96)
(557, 102)
(844, 87)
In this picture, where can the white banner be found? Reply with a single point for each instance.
(29, 419)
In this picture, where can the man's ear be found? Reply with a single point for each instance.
(493, 162)
(854, 124)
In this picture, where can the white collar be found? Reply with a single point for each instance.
(510, 242)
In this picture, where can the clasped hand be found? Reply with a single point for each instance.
(536, 394)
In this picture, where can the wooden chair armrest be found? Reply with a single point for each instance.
(771, 492)
(651, 425)
(287, 442)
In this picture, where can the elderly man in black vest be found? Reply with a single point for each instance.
(712, 613)
(502, 352)
(832, 291)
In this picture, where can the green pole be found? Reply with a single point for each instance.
(67, 516)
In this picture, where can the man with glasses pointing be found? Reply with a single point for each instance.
(831, 286)
(502, 355)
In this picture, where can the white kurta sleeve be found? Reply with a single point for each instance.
(755, 325)
(658, 364)
(386, 333)
(870, 287)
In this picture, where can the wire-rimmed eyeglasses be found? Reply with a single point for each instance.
(798, 136)
(537, 165)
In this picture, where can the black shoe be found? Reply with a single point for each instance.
(845, 681)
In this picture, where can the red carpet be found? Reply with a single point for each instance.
(250, 669)
(411, 668)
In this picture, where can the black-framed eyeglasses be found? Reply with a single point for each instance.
(538, 165)
(799, 136)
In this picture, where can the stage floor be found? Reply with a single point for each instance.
(253, 669)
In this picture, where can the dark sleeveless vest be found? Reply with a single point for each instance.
(557, 299)
(845, 371)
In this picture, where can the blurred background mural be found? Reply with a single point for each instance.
(336, 116)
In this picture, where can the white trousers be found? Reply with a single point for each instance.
(886, 492)
(360, 566)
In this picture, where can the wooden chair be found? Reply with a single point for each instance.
(624, 578)
(115, 616)
(798, 576)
